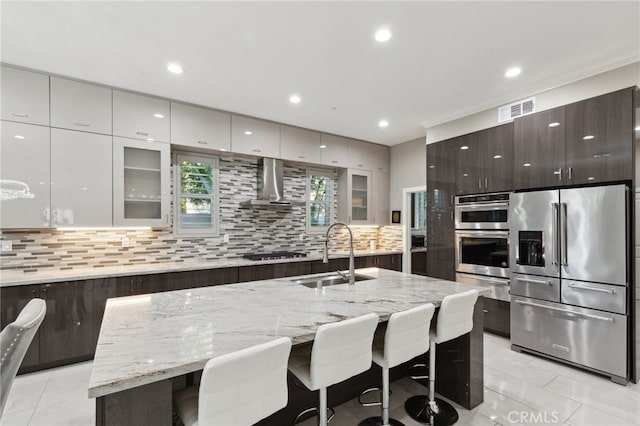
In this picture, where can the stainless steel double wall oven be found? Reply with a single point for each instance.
(482, 242)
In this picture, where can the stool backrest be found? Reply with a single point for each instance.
(342, 350)
(455, 316)
(14, 342)
(407, 334)
(246, 386)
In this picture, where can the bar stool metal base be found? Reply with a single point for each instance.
(377, 421)
(418, 409)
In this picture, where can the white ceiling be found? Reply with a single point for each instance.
(445, 60)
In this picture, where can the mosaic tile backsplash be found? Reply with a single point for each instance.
(255, 229)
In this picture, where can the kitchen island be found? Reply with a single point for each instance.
(149, 342)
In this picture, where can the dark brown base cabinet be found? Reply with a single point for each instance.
(70, 330)
(497, 318)
(419, 262)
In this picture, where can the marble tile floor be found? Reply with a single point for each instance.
(520, 389)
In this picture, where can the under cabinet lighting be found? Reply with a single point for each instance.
(554, 124)
(364, 226)
(103, 228)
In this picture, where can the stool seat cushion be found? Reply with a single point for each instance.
(340, 350)
(455, 316)
(405, 336)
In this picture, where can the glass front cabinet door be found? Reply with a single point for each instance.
(356, 198)
(140, 183)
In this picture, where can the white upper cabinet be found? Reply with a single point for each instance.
(333, 150)
(380, 185)
(354, 197)
(141, 186)
(381, 158)
(81, 180)
(200, 127)
(80, 106)
(298, 144)
(255, 137)
(140, 117)
(25, 96)
(24, 170)
(359, 155)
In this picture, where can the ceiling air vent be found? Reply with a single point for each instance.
(516, 109)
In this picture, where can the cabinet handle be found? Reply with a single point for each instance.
(527, 280)
(45, 216)
(381, 169)
(485, 311)
(486, 183)
(82, 124)
(601, 290)
(55, 218)
(559, 173)
(256, 150)
(166, 218)
(203, 142)
(479, 183)
(334, 161)
(302, 156)
(15, 114)
(142, 133)
(570, 173)
(360, 165)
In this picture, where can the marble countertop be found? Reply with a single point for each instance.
(152, 337)
(12, 278)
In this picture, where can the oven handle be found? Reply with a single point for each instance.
(493, 206)
(482, 233)
(566, 311)
(530, 281)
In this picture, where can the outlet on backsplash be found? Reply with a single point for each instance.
(7, 245)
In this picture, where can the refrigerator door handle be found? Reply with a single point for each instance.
(563, 234)
(554, 237)
(530, 281)
(586, 287)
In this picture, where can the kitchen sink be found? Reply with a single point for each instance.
(327, 280)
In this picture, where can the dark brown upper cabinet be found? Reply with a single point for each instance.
(485, 161)
(590, 141)
(599, 143)
(538, 149)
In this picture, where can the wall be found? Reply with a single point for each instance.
(408, 169)
(599, 84)
(255, 229)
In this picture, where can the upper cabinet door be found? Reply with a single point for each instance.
(24, 170)
(441, 175)
(80, 106)
(81, 183)
(255, 137)
(298, 144)
(333, 150)
(359, 155)
(469, 151)
(539, 149)
(498, 159)
(381, 157)
(600, 138)
(25, 96)
(200, 127)
(140, 117)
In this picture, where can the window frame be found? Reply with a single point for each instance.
(214, 230)
(328, 173)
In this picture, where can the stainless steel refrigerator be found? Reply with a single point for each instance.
(570, 261)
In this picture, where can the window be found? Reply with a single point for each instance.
(196, 194)
(319, 200)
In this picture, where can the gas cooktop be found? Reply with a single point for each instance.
(274, 255)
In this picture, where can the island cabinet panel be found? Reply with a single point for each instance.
(419, 262)
(599, 141)
(103, 289)
(147, 405)
(67, 329)
(539, 149)
(12, 300)
(317, 267)
(497, 318)
(275, 270)
(143, 284)
(204, 278)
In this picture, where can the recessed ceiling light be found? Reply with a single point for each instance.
(295, 99)
(323, 146)
(464, 147)
(383, 123)
(158, 115)
(382, 35)
(497, 157)
(554, 124)
(527, 164)
(174, 68)
(588, 137)
(512, 72)
(19, 137)
(248, 132)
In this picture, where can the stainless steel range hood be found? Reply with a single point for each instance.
(270, 186)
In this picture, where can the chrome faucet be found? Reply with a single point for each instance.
(325, 258)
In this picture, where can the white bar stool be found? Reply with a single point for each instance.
(405, 337)
(238, 389)
(340, 350)
(455, 318)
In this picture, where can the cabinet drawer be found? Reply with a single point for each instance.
(25, 96)
(605, 297)
(587, 337)
(537, 287)
(80, 106)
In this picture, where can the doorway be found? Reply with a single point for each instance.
(414, 230)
